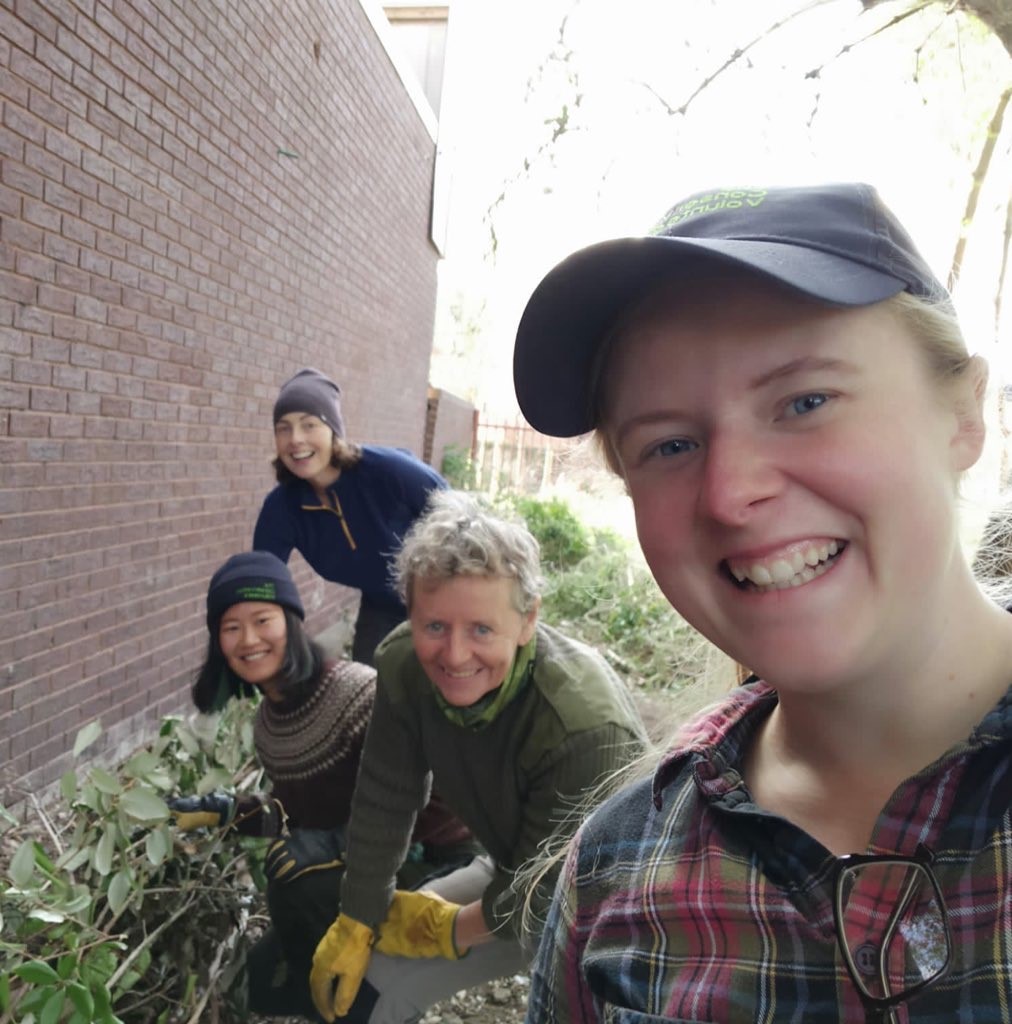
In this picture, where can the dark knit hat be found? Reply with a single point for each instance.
(251, 576)
(836, 243)
(313, 392)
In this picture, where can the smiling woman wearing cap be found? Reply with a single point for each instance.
(344, 507)
(782, 384)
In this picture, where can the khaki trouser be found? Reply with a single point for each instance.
(406, 988)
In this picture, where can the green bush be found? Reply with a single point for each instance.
(598, 591)
(117, 917)
(564, 540)
(458, 467)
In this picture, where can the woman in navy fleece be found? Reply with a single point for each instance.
(344, 507)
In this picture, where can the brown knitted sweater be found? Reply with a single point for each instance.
(310, 751)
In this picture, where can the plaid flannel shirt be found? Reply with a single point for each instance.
(682, 900)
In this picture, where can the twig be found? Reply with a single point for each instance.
(147, 941)
(49, 828)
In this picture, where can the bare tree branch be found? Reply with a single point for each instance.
(979, 175)
(731, 60)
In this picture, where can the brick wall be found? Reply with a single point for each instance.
(450, 421)
(197, 199)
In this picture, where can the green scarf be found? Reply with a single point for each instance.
(486, 709)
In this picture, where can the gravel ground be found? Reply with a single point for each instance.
(499, 1002)
(503, 1001)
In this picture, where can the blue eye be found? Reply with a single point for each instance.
(807, 403)
(673, 446)
(434, 627)
(480, 630)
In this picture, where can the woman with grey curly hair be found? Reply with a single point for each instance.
(460, 537)
(510, 720)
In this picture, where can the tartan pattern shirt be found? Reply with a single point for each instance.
(682, 900)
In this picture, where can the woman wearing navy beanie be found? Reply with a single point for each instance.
(344, 507)
(308, 733)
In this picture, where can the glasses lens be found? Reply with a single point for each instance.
(893, 927)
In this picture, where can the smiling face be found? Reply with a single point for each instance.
(466, 631)
(305, 445)
(792, 469)
(253, 637)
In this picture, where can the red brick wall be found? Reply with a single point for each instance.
(163, 266)
(450, 422)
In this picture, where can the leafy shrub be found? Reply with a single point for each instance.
(458, 467)
(599, 591)
(118, 917)
(564, 540)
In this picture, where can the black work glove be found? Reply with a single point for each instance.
(306, 849)
(212, 810)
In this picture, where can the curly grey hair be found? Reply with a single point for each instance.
(457, 536)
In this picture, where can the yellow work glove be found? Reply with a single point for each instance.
(420, 924)
(212, 810)
(342, 956)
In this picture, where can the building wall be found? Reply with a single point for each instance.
(197, 199)
(450, 422)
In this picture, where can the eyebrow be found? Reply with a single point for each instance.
(803, 364)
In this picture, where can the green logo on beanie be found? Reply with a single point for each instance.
(257, 592)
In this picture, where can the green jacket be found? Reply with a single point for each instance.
(512, 782)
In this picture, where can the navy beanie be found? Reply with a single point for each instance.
(251, 576)
(313, 392)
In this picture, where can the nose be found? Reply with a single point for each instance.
(739, 475)
(248, 635)
(457, 651)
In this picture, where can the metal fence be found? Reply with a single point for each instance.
(513, 457)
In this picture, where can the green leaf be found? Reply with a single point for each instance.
(104, 850)
(214, 778)
(119, 891)
(5, 987)
(157, 845)
(82, 999)
(187, 740)
(105, 782)
(49, 916)
(140, 764)
(72, 859)
(79, 901)
(143, 804)
(89, 796)
(65, 965)
(103, 1001)
(87, 736)
(36, 972)
(68, 786)
(160, 779)
(53, 1008)
(22, 865)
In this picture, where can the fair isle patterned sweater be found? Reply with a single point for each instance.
(310, 752)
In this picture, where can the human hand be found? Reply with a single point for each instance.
(305, 850)
(212, 810)
(420, 924)
(342, 956)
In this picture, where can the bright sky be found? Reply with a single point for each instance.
(913, 127)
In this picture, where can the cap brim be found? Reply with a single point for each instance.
(575, 305)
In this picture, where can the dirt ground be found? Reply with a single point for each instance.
(503, 1001)
(499, 1002)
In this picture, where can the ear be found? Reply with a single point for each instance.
(968, 439)
(529, 624)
